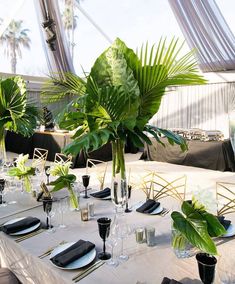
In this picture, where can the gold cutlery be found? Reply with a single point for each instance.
(25, 237)
(87, 271)
(47, 252)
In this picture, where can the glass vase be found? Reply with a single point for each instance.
(119, 184)
(74, 196)
(181, 246)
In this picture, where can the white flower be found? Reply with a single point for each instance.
(60, 169)
(206, 198)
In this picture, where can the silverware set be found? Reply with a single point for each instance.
(25, 237)
(87, 271)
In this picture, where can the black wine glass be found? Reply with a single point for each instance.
(128, 196)
(2, 186)
(206, 267)
(85, 181)
(104, 229)
(47, 172)
(47, 207)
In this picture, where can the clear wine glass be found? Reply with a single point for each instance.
(112, 242)
(85, 181)
(12, 190)
(104, 230)
(47, 172)
(119, 193)
(63, 206)
(123, 230)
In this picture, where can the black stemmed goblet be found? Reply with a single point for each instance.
(47, 207)
(85, 181)
(104, 229)
(206, 267)
(128, 196)
(47, 172)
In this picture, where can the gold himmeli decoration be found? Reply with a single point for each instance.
(156, 187)
(39, 158)
(100, 171)
(225, 195)
(62, 159)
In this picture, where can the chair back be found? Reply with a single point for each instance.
(62, 159)
(99, 171)
(39, 158)
(225, 195)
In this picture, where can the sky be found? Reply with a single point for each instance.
(134, 21)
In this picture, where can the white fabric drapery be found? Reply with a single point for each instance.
(60, 59)
(203, 106)
(206, 30)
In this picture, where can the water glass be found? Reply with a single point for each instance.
(62, 206)
(139, 235)
(150, 236)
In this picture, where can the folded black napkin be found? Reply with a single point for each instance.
(169, 281)
(225, 223)
(72, 253)
(102, 194)
(148, 207)
(20, 225)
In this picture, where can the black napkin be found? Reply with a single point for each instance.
(20, 225)
(148, 207)
(223, 222)
(72, 253)
(169, 281)
(102, 194)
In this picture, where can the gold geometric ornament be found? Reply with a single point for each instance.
(225, 195)
(157, 187)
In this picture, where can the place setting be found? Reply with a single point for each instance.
(151, 207)
(22, 228)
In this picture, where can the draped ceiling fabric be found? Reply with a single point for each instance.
(206, 30)
(204, 106)
(59, 60)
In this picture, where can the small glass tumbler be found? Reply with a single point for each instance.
(84, 214)
(139, 235)
(150, 236)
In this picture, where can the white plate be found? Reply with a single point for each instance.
(230, 231)
(80, 262)
(25, 231)
(158, 210)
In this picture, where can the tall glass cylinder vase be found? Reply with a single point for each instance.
(119, 184)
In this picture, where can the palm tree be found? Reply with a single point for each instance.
(14, 38)
(70, 23)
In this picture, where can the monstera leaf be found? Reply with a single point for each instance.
(198, 226)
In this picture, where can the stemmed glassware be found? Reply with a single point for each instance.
(104, 230)
(12, 190)
(47, 207)
(123, 230)
(85, 181)
(47, 172)
(206, 267)
(112, 242)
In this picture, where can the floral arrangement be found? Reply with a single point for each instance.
(21, 171)
(197, 226)
(65, 180)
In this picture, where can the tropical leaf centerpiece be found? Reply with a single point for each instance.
(197, 226)
(64, 180)
(16, 114)
(23, 172)
(120, 95)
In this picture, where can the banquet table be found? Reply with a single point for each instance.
(214, 155)
(145, 265)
